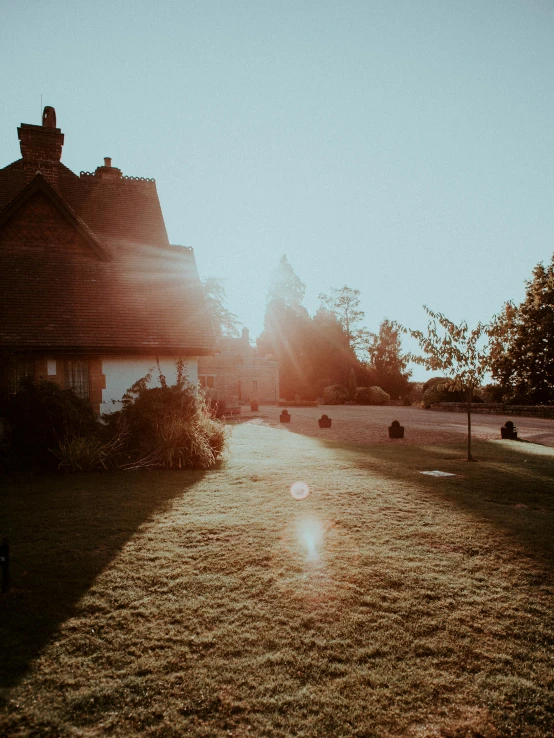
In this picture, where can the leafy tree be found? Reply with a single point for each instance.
(388, 366)
(286, 289)
(456, 351)
(522, 341)
(224, 322)
(286, 325)
(345, 304)
(328, 358)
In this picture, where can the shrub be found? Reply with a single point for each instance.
(371, 396)
(87, 453)
(352, 386)
(41, 416)
(168, 427)
(406, 401)
(439, 392)
(216, 405)
(432, 381)
(336, 394)
(494, 393)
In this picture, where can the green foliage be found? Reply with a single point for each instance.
(41, 416)
(336, 394)
(388, 366)
(437, 392)
(493, 393)
(345, 304)
(458, 352)
(168, 427)
(522, 341)
(372, 396)
(87, 453)
(286, 328)
(352, 386)
(286, 287)
(432, 381)
(224, 322)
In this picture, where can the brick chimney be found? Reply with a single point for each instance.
(107, 173)
(41, 147)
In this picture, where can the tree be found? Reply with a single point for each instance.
(456, 351)
(286, 323)
(345, 303)
(286, 288)
(224, 322)
(352, 387)
(522, 340)
(388, 366)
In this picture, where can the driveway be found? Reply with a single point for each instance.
(365, 424)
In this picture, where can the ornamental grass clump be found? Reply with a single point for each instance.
(88, 453)
(168, 427)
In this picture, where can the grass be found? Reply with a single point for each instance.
(387, 603)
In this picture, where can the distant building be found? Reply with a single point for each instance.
(91, 291)
(238, 373)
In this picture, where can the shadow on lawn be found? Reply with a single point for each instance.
(511, 486)
(64, 530)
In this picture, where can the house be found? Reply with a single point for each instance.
(92, 294)
(238, 373)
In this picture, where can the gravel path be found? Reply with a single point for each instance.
(368, 424)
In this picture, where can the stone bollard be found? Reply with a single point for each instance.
(509, 431)
(324, 421)
(396, 430)
(284, 417)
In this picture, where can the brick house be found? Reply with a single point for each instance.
(91, 291)
(238, 373)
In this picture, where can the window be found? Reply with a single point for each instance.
(255, 385)
(76, 377)
(14, 372)
(206, 380)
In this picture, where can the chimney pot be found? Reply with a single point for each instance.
(107, 161)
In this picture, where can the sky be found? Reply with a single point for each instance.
(404, 149)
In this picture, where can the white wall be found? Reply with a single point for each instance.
(122, 373)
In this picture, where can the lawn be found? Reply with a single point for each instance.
(386, 603)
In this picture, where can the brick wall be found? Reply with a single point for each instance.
(228, 370)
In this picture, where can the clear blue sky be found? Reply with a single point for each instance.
(402, 148)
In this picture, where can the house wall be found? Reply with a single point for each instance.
(228, 370)
(121, 373)
(108, 378)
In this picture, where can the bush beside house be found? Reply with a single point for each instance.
(169, 427)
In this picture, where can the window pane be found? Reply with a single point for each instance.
(76, 377)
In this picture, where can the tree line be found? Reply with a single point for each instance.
(332, 347)
(516, 348)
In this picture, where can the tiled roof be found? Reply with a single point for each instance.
(88, 267)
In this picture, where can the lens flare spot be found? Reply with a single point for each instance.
(300, 490)
(310, 535)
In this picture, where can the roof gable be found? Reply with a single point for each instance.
(38, 215)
